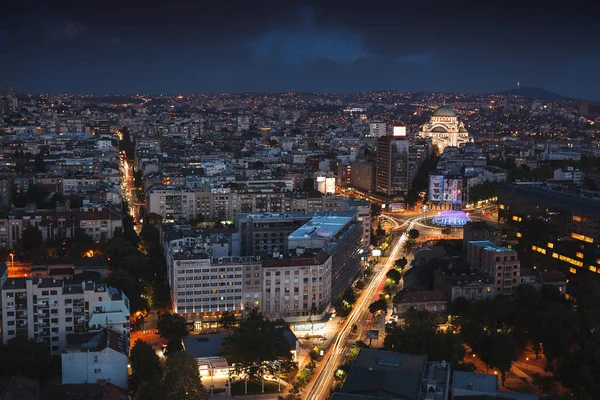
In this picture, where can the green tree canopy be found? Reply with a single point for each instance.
(171, 326)
(145, 365)
(25, 357)
(182, 378)
(378, 305)
(255, 342)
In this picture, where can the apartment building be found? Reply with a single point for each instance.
(297, 285)
(47, 310)
(95, 222)
(171, 202)
(96, 356)
(501, 263)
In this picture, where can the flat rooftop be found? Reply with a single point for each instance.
(489, 246)
(321, 226)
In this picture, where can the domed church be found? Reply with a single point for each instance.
(445, 129)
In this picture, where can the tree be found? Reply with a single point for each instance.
(182, 378)
(379, 305)
(227, 320)
(149, 391)
(401, 263)
(25, 357)
(171, 326)
(503, 350)
(308, 184)
(153, 219)
(413, 234)
(31, 239)
(394, 275)
(145, 365)
(423, 337)
(255, 345)
(131, 286)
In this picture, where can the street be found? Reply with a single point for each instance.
(320, 385)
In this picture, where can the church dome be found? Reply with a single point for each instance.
(444, 111)
(439, 129)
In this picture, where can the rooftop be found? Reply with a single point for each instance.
(419, 296)
(385, 375)
(489, 246)
(324, 227)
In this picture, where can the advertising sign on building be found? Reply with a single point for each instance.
(436, 188)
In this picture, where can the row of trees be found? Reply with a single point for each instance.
(138, 265)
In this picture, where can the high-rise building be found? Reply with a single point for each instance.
(362, 176)
(392, 167)
(47, 310)
(377, 129)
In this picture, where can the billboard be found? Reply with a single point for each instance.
(452, 191)
(399, 131)
(395, 207)
(436, 188)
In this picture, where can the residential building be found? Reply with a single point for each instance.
(495, 174)
(341, 236)
(96, 356)
(97, 223)
(48, 310)
(501, 263)
(377, 129)
(434, 301)
(362, 176)
(171, 202)
(481, 231)
(473, 286)
(297, 286)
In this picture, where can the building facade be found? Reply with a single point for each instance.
(444, 129)
(47, 310)
(298, 286)
(501, 263)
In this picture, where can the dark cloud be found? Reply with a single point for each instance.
(225, 46)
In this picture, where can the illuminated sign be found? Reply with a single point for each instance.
(399, 131)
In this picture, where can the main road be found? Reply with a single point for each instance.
(320, 386)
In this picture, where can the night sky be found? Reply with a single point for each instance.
(172, 46)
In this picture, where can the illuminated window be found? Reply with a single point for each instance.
(576, 218)
(572, 270)
(540, 250)
(582, 237)
(501, 206)
(550, 245)
(593, 269)
(519, 234)
(518, 219)
(579, 254)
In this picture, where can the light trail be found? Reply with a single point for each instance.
(322, 381)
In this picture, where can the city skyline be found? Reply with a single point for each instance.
(299, 46)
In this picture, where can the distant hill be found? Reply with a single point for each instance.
(535, 92)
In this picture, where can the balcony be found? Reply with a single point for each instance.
(43, 304)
